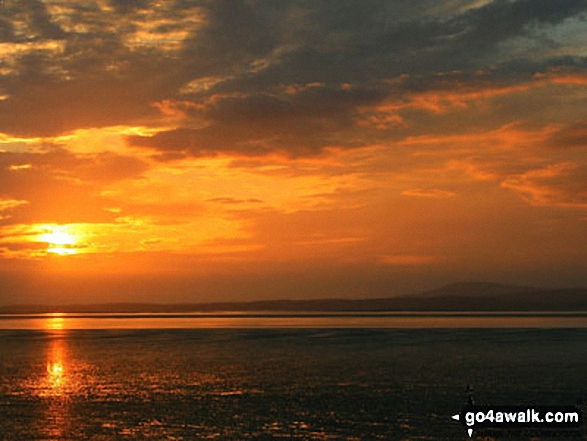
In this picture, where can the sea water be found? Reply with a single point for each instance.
(230, 382)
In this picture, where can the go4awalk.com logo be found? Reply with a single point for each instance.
(549, 418)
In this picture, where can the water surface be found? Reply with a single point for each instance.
(276, 320)
(232, 382)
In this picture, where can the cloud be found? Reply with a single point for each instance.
(236, 33)
(234, 201)
(410, 259)
(89, 76)
(61, 186)
(7, 204)
(98, 64)
(128, 6)
(563, 185)
(569, 137)
(37, 19)
(299, 124)
(564, 78)
(428, 193)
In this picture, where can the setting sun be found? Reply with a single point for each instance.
(59, 240)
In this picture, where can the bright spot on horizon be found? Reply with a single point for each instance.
(55, 321)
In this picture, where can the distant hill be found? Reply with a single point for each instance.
(499, 297)
(479, 289)
(454, 297)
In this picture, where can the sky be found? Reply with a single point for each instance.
(219, 150)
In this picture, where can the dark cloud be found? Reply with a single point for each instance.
(41, 23)
(299, 124)
(6, 30)
(333, 45)
(314, 102)
(571, 136)
(39, 104)
(128, 6)
(563, 184)
(96, 75)
(481, 29)
(236, 32)
(34, 16)
(81, 79)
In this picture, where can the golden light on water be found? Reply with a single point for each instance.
(57, 386)
(56, 367)
(55, 322)
(56, 373)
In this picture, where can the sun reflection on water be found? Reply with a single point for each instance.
(56, 367)
(55, 322)
(56, 354)
(59, 383)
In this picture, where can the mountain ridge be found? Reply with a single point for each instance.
(463, 296)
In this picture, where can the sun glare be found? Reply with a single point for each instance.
(59, 240)
(61, 251)
(54, 321)
(58, 237)
(56, 367)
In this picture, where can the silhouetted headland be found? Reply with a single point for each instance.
(454, 297)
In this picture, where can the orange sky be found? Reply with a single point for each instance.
(234, 150)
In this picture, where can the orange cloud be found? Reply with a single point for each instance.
(563, 185)
(429, 193)
(7, 204)
(410, 259)
(569, 79)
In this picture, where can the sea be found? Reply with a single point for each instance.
(282, 376)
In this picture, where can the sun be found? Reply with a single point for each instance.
(59, 240)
